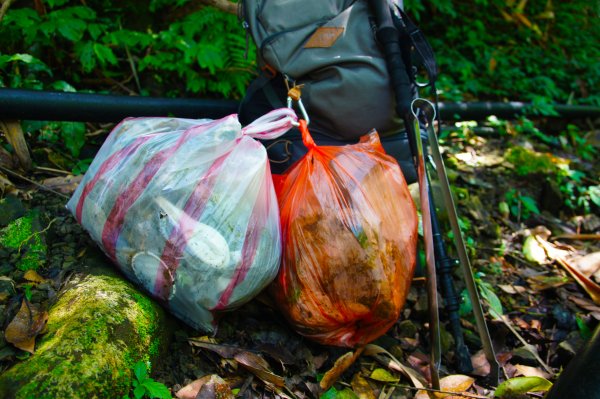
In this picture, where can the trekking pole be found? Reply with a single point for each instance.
(428, 110)
(388, 36)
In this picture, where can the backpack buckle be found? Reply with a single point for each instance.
(269, 71)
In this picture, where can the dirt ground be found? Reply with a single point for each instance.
(545, 314)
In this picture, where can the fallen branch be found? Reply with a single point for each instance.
(4, 8)
(453, 394)
(223, 5)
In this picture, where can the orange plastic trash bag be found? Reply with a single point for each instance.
(349, 230)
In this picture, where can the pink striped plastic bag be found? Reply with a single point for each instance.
(187, 210)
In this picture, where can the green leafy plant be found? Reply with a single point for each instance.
(521, 206)
(163, 50)
(144, 386)
(576, 139)
(498, 49)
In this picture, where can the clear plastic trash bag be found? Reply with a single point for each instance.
(187, 209)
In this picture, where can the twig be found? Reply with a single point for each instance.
(132, 66)
(465, 394)
(10, 172)
(223, 5)
(4, 8)
(37, 233)
(52, 170)
(594, 237)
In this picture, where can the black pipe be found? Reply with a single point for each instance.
(18, 104)
(481, 110)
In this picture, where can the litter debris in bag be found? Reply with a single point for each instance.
(349, 229)
(187, 209)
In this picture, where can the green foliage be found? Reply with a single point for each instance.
(517, 386)
(521, 206)
(538, 51)
(333, 393)
(144, 386)
(575, 138)
(487, 293)
(164, 49)
(63, 141)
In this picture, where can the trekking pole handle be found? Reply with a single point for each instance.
(389, 37)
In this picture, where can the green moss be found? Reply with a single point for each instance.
(99, 328)
(24, 236)
(528, 162)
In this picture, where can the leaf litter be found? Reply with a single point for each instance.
(530, 271)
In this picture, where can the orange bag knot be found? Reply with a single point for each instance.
(306, 137)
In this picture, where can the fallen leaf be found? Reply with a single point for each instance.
(225, 351)
(207, 387)
(338, 368)
(456, 383)
(481, 366)
(383, 375)
(25, 326)
(393, 363)
(522, 385)
(33, 276)
(361, 387)
(588, 265)
(6, 186)
(533, 251)
(259, 367)
(190, 391)
(63, 184)
(541, 283)
(528, 371)
(588, 285)
(587, 305)
(512, 289)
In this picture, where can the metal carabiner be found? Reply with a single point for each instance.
(295, 94)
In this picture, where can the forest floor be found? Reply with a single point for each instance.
(537, 314)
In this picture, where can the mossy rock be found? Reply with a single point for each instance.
(99, 327)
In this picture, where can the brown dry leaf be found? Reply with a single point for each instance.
(207, 387)
(541, 283)
(26, 325)
(6, 159)
(63, 184)
(481, 366)
(259, 367)
(340, 365)
(456, 383)
(225, 351)
(588, 285)
(528, 371)
(512, 289)
(361, 387)
(588, 264)
(190, 391)
(587, 305)
(33, 276)
(6, 186)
